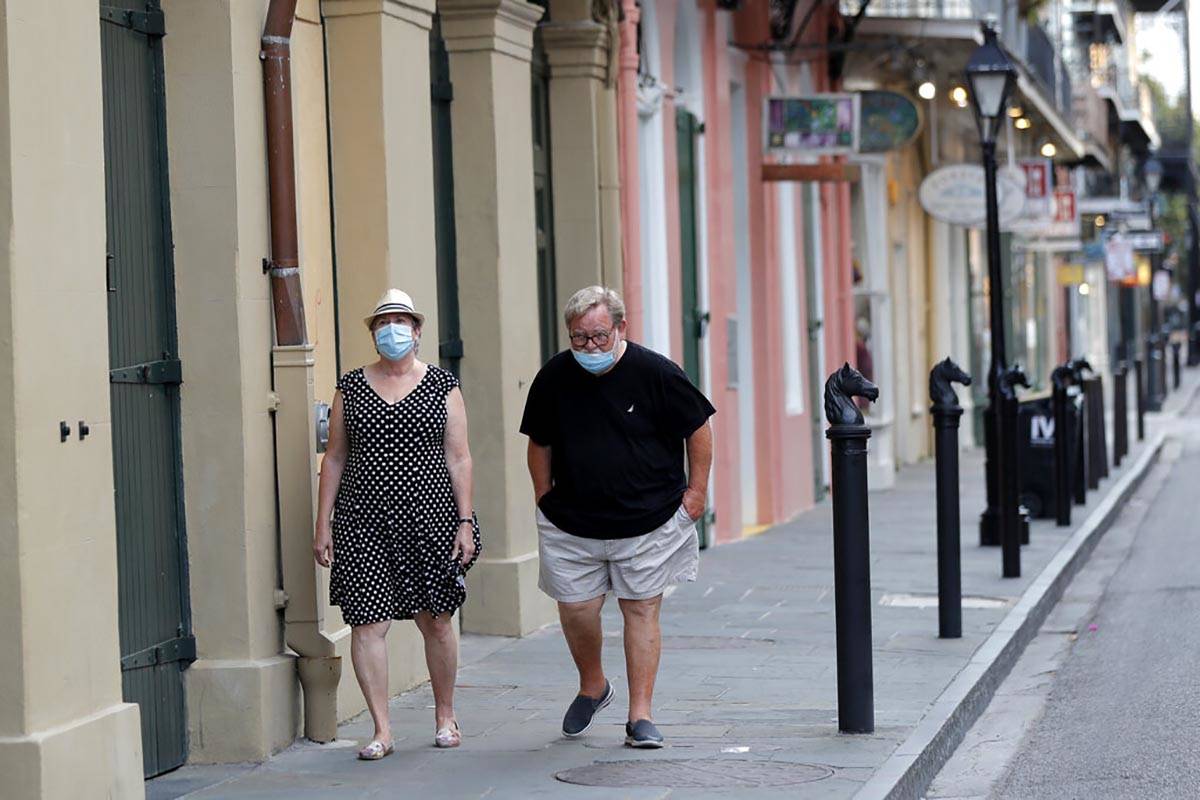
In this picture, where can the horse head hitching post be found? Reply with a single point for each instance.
(848, 436)
(946, 414)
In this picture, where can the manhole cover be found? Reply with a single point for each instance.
(697, 773)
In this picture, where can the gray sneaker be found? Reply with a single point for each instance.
(642, 734)
(583, 710)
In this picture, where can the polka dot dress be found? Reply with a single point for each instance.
(395, 517)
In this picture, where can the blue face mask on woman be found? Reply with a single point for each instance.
(597, 362)
(394, 340)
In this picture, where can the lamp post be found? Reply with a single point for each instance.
(1152, 172)
(991, 76)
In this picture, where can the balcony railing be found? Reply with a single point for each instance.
(919, 9)
(1029, 42)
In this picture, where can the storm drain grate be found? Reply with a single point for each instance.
(697, 773)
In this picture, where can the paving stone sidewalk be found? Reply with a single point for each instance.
(746, 694)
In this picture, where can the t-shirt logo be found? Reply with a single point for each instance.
(630, 409)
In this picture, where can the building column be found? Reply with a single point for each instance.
(582, 107)
(381, 145)
(243, 698)
(63, 724)
(381, 142)
(490, 42)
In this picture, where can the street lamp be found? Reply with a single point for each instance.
(991, 75)
(1152, 172)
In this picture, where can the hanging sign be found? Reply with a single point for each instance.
(955, 194)
(887, 121)
(1037, 178)
(1161, 285)
(1118, 259)
(1146, 241)
(817, 124)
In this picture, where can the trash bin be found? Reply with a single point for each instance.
(1035, 447)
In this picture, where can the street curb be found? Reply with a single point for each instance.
(914, 764)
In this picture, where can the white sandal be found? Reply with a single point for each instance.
(375, 751)
(448, 736)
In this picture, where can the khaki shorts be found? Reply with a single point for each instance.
(574, 569)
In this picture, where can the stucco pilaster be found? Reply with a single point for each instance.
(489, 42)
(63, 724)
(380, 142)
(578, 51)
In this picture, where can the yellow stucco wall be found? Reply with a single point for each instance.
(62, 721)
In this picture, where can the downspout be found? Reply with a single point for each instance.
(318, 665)
(284, 265)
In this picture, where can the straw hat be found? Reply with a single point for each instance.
(394, 301)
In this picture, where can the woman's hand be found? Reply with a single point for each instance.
(464, 544)
(323, 545)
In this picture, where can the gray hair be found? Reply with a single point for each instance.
(585, 300)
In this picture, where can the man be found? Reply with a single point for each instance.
(608, 421)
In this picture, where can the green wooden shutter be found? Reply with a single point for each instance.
(695, 319)
(543, 198)
(155, 628)
(450, 346)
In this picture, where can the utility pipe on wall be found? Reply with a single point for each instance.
(318, 665)
(284, 264)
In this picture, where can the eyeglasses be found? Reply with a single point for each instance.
(581, 340)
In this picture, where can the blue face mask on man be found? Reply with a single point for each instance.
(394, 340)
(597, 362)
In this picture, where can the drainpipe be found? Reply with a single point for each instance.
(292, 360)
(627, 139)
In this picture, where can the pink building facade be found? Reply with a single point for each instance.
(747, 283)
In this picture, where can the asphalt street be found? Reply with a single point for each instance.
(1123, 715)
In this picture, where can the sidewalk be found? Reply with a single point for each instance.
(747, 689)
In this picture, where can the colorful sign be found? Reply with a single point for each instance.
(1070, 275)
(819, 124)
(1066, 208)
(1037, 178)
(887, 121)
(955, 194)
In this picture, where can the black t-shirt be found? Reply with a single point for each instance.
(616, 441)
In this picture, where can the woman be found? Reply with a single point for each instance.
(397, 479)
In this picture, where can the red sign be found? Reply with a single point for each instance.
(1065, 210)
(1037, 178)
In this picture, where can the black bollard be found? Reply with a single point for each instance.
(946, 414)
(990, 521)
(1176, 346)
(1154, 398)
(851, 548)
(1140, 398)
(1120, 413)
(1060, 379)
(1097, 445)
(1014, 523)
(1164, 338)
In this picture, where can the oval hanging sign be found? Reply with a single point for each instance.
(887, 121)
(955, 194)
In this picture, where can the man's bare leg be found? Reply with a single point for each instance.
(643, 646)
(585, 638)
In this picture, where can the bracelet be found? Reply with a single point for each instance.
(461, 520)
